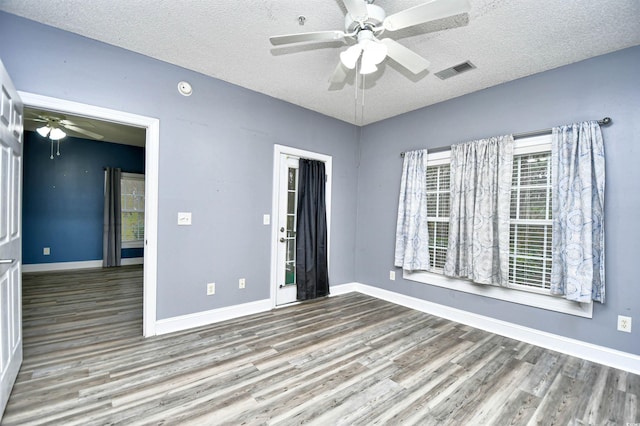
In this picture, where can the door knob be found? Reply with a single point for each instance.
(282, 240)
(6, 261)
(282, 229)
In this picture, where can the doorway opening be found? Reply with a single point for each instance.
(152, 140)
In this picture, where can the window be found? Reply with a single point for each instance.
(438, 202)
(530, 230)
(132, 209)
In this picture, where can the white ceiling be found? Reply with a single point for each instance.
(229, 40)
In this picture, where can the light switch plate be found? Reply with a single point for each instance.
(266, 219)
(184, 218)
(46, 251)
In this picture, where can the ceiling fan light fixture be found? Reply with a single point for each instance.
(367, 67)
(349, 57)
(375, 52)
(43, 131)
(57, 134)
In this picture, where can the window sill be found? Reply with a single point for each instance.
(543, 301)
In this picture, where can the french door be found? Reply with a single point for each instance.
(10, 236)
(285, 199)
(287, 220)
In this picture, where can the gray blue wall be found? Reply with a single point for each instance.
(216, 159)
(63, 198)
(604, 86)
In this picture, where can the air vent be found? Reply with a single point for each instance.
(455, 70)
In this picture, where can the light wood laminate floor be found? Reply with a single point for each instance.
(349, 359)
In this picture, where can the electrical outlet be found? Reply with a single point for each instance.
(624, 323)
(46, 251)
(392, 275)
(211, 289)
(242, 282)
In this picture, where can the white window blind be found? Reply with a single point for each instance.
(530, 228)
(438, 204)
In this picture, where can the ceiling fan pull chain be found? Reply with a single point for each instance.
(58, 153)
(51, 157)
(355, 100)
(362, 111)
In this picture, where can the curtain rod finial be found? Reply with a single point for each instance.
(606, 120)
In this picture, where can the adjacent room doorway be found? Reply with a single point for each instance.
(152, 126)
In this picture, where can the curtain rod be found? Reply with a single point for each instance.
(605, 121)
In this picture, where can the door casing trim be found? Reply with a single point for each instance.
(152, 151)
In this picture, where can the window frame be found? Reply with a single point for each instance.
(131, 176)
(529, 296)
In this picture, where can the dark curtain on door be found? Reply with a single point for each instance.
(111, 232)
(312, 274)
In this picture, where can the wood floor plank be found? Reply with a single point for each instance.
(345, 360)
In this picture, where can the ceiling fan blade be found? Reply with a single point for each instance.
(339, 75)
(82, 131)
(317, 36)
(430, 11)
(85, 123)
(405, 57)
(356, 8)
(39, 120)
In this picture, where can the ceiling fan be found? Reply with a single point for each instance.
(53, 127)
(52, 122)
(365, 23)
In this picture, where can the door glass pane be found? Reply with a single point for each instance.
(291, 250)
(292, 179)
(290, 273)
(291, 202)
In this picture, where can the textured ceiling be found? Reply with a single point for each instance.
(229, 40)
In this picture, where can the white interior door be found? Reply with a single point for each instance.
(10, 236)
(286, 221)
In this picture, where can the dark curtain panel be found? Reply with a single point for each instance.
(312, 274)
(111, 233)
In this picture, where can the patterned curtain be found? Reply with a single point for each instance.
(412, 234)
(577, 161)
(479, 218)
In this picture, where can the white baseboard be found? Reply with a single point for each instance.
(337, 290)
(199, 319)
(600, 354)
(86, 264)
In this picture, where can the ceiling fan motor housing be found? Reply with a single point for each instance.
(375, 17)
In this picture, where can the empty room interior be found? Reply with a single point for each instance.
(325, 212)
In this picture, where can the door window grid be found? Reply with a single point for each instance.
(292, 197)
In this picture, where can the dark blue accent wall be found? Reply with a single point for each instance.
(63, 197)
